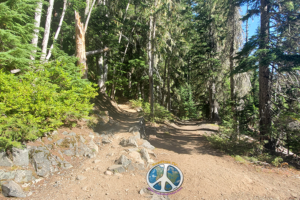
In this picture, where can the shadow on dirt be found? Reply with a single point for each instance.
(121, 120)
(187, 142)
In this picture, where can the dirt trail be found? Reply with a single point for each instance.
(208, 174)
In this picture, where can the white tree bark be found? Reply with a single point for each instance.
(58, 29)
(87, 8)
(37, 18)
(88, 18)
(101, 82)
(47, 29)
(96, 51)
(120, 37)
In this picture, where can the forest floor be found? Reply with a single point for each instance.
(208, 173)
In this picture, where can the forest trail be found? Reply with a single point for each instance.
(208, 173)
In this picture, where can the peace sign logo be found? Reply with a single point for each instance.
(164, 178)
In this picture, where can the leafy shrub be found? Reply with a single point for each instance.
(240, 159)
(276, 162)
(136, 103)
(160, 113)
(38, 102)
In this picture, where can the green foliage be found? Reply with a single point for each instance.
(38, 102)
(16, 31)
(187, 108)
(160, 113)
(239, 159)
(276, 162)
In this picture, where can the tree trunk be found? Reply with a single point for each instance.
(58, 29)
(264, 75)
(150, 65)
(168, 83)
(143, 91)
(101, 83)
(87, 8)
(164, 84)
(37, 18)
(213, 104)
(80, 45)
(80, 30)
(112, 94)
(47, 30)
(231, 59)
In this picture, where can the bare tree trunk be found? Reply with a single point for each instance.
(213, 103)
(80, 30)
(105, 70)
(80, 45)
(58, 29)
(143, 91)
(47, 30)
(120, 37)
(87, 8)
(101, 73)
(37, 18)
(264, 76)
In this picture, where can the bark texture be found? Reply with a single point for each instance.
(264, 76)
(80, 44)
(58, 29)
(37, 18)
(47, 30)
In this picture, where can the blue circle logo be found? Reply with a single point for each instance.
(164, 178)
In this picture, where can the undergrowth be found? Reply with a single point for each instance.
(161, 114)
(242, 150)
(37, 102)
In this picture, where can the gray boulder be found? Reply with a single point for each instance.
(23, 176)
(69, 152)
(20, 157)
(65, 165)
(128, 142)
(105, 140)
(41, 162)
(137, 135)
(4, 160)
(117, 168)
(72, 134)
(65, 133)
(81, 139)
(123, 160)
(84, 150)
(59, 142)
(145, 156)
(7, 175)
(147, 145)
(93, 146)
(12, 189)
(133, 129)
